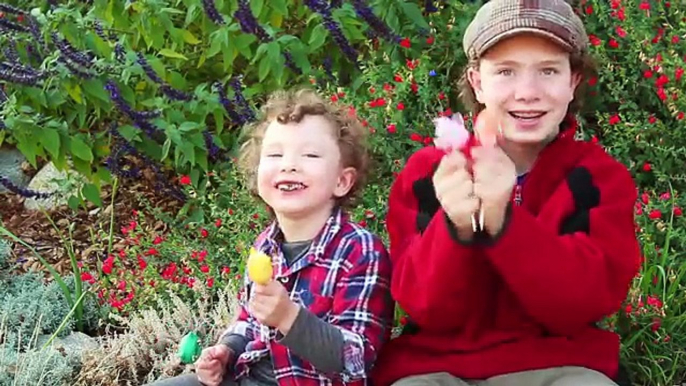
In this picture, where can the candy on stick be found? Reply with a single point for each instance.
(451, 133)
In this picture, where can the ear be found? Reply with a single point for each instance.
(575, 81)
(474, 78)
(346, 180)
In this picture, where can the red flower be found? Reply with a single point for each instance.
(205, 269)
(202, 255)
(613, 43)
(430, 40)
(158, 240)
(108, 264)
(152, 252)
(86, 276)
(405, 43)
(595, 40)
(680, 115)
(677, 211)
(675, 39)
(142, 264)
(644, 6)
(655, 214)
(415, 137)
(391, 128)
(647, 167)
(614, 119)
(185, 180)
(210, 282)
(122, 285)
(647, 74)
(401, 106)
(678, 73)
(204, 233)
(226, 270)
(620, 31)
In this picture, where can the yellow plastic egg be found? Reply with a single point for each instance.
(259, 267)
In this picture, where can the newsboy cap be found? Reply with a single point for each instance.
(501, 19)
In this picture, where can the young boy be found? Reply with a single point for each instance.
(516, 302)
(328, 309)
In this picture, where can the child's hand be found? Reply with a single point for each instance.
(494, 178)
(211, 365)
(271, 306)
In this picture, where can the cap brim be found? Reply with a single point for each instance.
(519, 31)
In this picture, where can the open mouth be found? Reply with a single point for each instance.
(290, 186)
(527, 115)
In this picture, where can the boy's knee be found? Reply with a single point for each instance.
(433, 379)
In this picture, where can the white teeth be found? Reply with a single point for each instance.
(527, 115)
(289, 187)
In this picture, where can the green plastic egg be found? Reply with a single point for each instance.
(189, 348)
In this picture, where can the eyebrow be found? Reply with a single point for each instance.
(552, 62)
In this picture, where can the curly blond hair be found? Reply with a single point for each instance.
(292, 106)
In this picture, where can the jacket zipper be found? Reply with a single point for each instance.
(518, 194)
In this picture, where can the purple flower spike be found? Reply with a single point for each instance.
(212, 13)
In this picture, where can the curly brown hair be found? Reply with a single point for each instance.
(287, 106)
(582, 64)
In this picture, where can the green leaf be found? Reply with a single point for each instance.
(92, 194)
(96, 89)
(317, 37)
(80, 149)
(280, 6)
(51, 141)
(165, 148)
(413, 12)
(172, 54)
(256, 7)
(243, 43)
(189, 38)
(216, 45)
(265, 67)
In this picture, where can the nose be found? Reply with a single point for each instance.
(527, 88)
(289, 164)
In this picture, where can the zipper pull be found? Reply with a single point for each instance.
(518, 195)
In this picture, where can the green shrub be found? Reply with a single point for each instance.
(48, 367)
(27, 305)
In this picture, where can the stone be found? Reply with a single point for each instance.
(11, 160)
(74, 344)
(47, 180)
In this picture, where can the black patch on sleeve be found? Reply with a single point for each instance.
(586, 197)
(427, 202)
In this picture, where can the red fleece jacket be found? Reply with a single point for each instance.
(528, 299)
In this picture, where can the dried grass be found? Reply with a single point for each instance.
(147, 350)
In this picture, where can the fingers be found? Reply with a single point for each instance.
(450, 163)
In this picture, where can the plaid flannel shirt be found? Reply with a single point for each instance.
(344, 279)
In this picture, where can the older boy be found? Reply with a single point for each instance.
(516, 303)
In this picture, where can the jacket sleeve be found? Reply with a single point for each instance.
(362, 306)
(431, 269)
(573, 271)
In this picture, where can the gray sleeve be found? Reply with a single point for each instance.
(235, 342)
(316, 341)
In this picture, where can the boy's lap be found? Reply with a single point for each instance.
(560, 376)
(190, 379)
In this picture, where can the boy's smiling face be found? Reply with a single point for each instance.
(300, 171)
(527, 82)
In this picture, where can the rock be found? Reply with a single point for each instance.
(74, 344)
(47, 181)
(11, 160)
